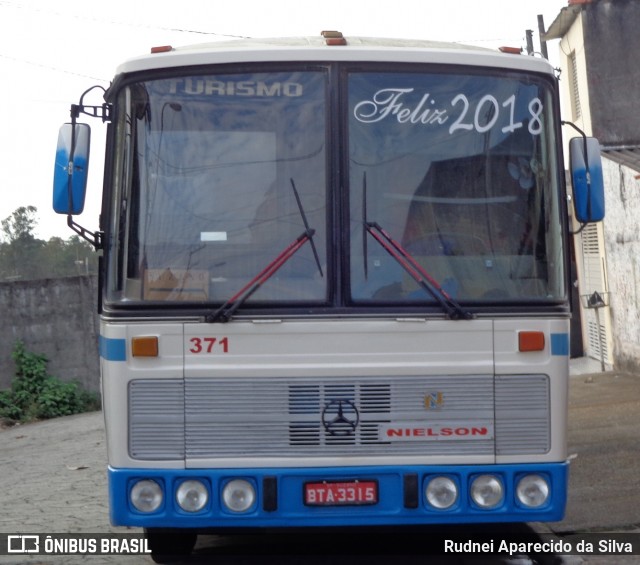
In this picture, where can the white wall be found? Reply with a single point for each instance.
(622, 245)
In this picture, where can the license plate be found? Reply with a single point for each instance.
(346, 493)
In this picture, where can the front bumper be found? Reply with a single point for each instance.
(279, 497)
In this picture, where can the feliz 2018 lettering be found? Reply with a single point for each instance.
(464, 115)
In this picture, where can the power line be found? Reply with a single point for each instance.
(110, 21)
(50, 67)
(179, 30)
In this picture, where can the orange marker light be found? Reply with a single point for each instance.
(144, 346)
(161, 49)
(530, 341)
(333, 37)
(510, 50)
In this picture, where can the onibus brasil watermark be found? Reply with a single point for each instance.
(74, 544)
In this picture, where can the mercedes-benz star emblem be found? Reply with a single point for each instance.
(340, 417)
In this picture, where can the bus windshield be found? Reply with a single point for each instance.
(460, 171)
(214, 175)
(204, 193)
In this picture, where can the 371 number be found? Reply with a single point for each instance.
(209, 345)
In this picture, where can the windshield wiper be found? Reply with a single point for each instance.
(226, 311)
(416, 271)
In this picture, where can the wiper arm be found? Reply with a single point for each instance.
(306, 227)
(416, 271)
(454, 310)
(226, 311)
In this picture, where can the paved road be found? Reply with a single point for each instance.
(52, 479)
(604, 443)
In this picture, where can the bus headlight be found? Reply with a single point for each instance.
(238, 495)
(146, 496)
(192, 496)
(487, 491)
(532, 491)
(441, 492)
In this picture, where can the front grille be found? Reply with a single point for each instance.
(522, 415)
(206, 418)
(156, 419)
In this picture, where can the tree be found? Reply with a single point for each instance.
(20, 225)
(24, 257)
(20, 253)
(64, 258)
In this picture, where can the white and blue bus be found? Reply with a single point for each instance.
(334, 284)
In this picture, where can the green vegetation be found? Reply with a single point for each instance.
(34, 394)
(24, 257)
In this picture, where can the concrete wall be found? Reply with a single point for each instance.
(622, 243)
(54, 317)
(611, 45)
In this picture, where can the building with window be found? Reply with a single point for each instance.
(600, 76)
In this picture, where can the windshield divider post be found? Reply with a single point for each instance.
(365, 249)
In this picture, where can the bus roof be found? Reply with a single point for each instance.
(362, 49)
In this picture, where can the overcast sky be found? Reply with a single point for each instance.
(51, 52)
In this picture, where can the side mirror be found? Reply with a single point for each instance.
(71, 168)
(588, 183)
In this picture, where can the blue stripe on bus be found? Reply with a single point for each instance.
(560, 344)
(113, 349)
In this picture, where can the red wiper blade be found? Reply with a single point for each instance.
(417, 272)
(226, 311)
(408, 263)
